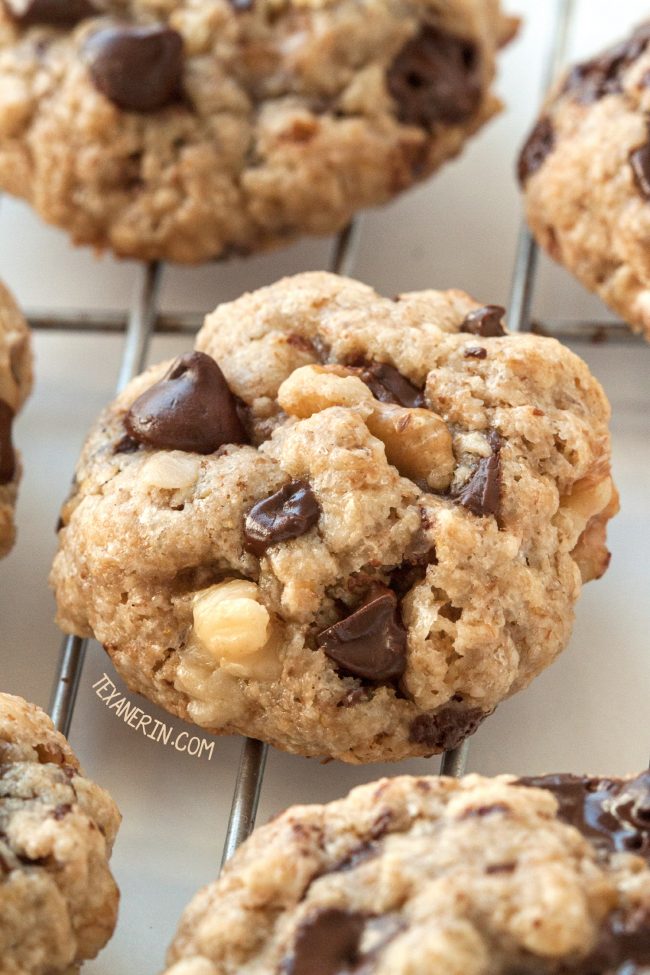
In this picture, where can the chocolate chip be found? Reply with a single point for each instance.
(445, 728)
(388, 385)
(7, 455)
(482, 493)
(327, 943)
(61, 811)
(289, 513)
(436, 77)
(53, 13)
(474, 352)
(126, 445)
(241, 6)
(640, 163)
(137, 68)
(486, 322)
(613, 814)
(498, 808)
(538, 146)
(601, 76)
(190, 409)
(371, 642)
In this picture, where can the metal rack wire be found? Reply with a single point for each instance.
(144, 319)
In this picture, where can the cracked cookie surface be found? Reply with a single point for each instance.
(353, 539)
(585, 171)
(420, 876)
(58, 900)
(188, 130)
(15, 384)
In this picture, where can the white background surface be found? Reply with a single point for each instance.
(590, 711)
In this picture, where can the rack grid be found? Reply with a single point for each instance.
(144, 319)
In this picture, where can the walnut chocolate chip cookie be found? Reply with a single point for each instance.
(419, 876)
(585, 170)
(190, 130)
(58, 900)
(346, 525)
(15, 384)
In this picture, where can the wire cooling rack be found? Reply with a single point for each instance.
(144, 320)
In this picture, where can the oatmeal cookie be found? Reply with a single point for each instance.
(421, 876)
(58, 900)
(345, 524)
(585, 170)
(189, 130)
(15, 384)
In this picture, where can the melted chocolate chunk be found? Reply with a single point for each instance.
(389, 386)
(482, 493)
(51, 13)
(7, 455)
(326, 943)
(486, 322)
(289, 513)
(612, 814)
(371, 642)
(137, 68)
(640, 163)
(436, 77)
(190, 409)
(600, 76)
(446, 728)
(475, 352)
(538, 146)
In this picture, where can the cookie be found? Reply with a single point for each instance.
(345, 524)
(58, 900)
(585, 171)
(188, 131)
(415, 876)
(15, 384)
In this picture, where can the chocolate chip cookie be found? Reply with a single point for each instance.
(58, 900)
(345, 524)
(415, 876)
(15, 383)
(585, 170)
(189, 131)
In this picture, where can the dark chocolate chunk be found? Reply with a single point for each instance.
(389, 386)
(640, 163)
(51, 13)
(137, 68)
(327, 943)
(613, 814)
(191, 409)
(602, 75)
(371, 642)
(436, 77)
(475, 352)
(7, 455)
(241, 6)
(486, 322)
(289, 513)
(446, 728)
(537, 147)
(482, 493)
